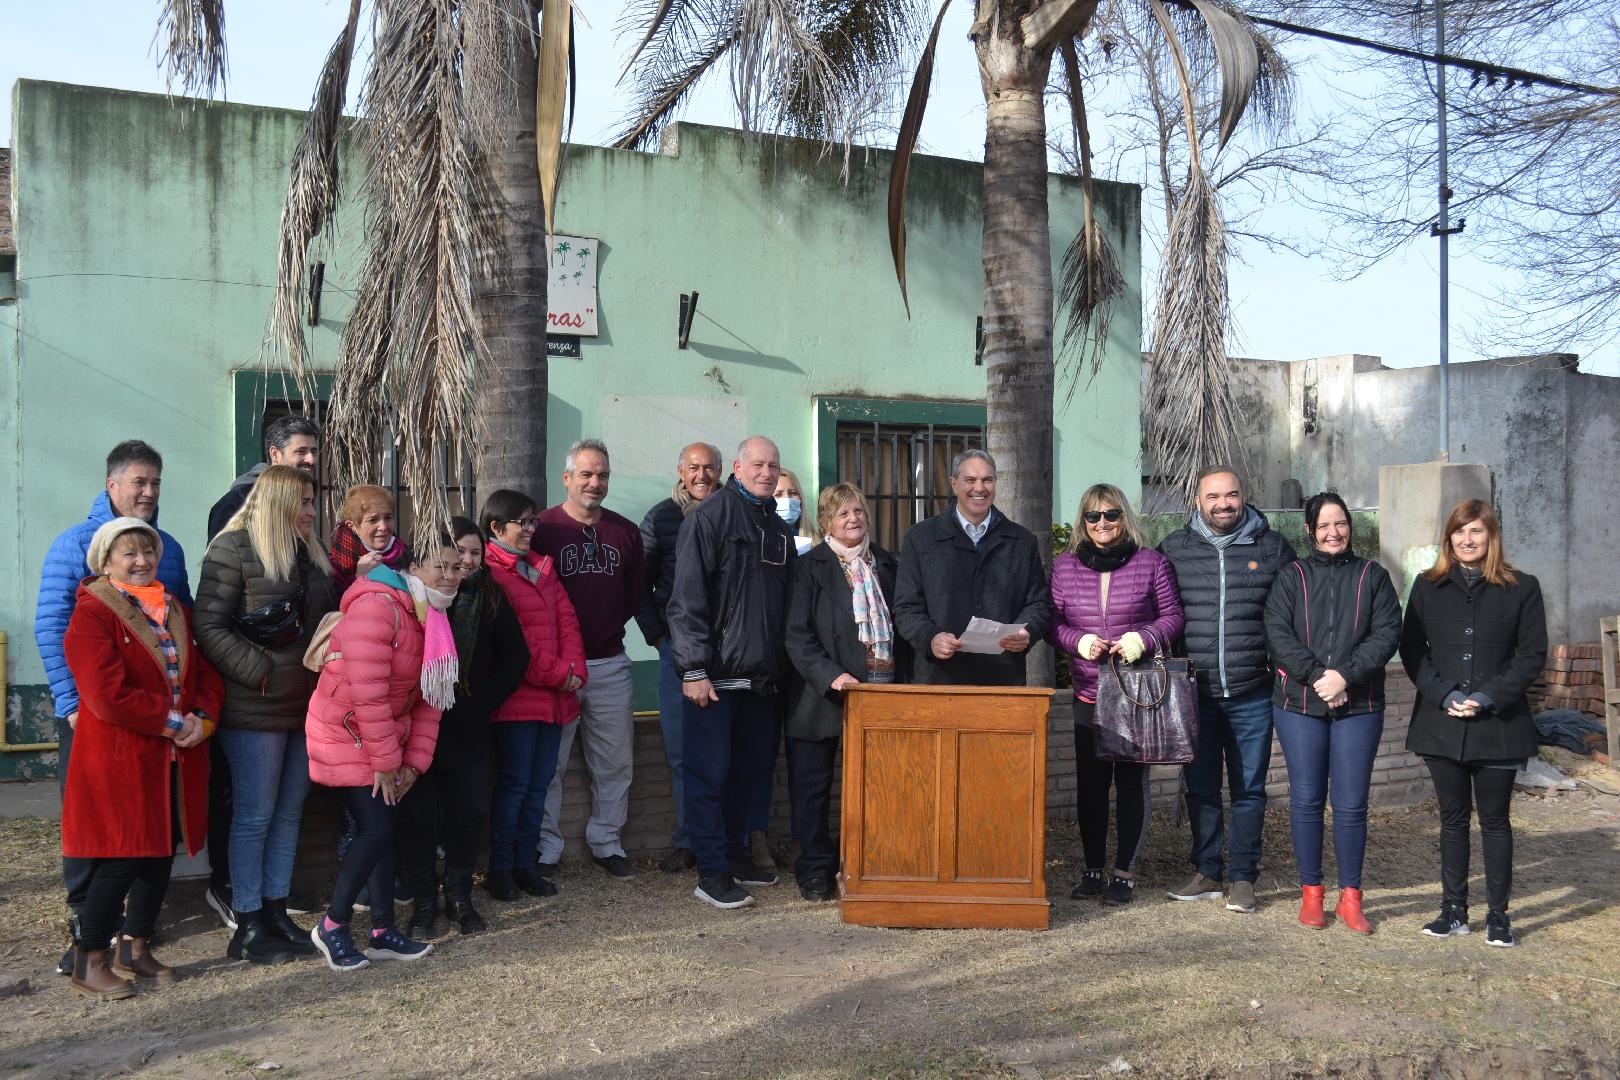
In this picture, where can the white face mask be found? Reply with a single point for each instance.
(788, 508)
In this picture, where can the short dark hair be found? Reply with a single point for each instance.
(1314, 504)
(1216, 470)
(462, 526)
(132, 452)
(503, 505)
(280, 431)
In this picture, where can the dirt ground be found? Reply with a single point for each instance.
(637, 979)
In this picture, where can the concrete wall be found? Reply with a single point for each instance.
(146, 248)
(1549, 434)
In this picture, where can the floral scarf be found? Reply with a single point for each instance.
(871, 612)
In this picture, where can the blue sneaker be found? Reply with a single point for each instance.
(338, 947)
(393, 945)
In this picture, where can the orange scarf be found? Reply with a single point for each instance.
(152, 599)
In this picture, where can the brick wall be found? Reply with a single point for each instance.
(1399, 778)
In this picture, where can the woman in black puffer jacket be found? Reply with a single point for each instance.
(266, 553)
(1333, 621)
(1475, 640)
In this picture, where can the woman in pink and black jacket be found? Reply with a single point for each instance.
(1333, 621)
(528, 726)
(1111, 594)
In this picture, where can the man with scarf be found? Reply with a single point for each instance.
(697, 475)
(727, 616)
(1225, 560)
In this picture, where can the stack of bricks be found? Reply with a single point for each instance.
(1573, 680)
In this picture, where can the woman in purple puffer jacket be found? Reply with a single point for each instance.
(1111, 593)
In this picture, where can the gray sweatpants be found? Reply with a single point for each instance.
(605, 730)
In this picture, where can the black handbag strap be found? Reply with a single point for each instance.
(1158, 662)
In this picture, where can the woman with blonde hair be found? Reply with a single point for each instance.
(1474, 640)
(265, 585)
(1112, 595)
(839, 634)
(790, 508)
(365, 537)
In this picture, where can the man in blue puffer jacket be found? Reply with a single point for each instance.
(134, 476)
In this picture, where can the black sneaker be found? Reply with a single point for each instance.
(299, 903)
(219, 898)
(816, 888)
(1498, 931)
(616, 865)
(534, 883)
(338, 947)
(64, 966)
(722, 892)
(1453, 920)
(1121, 891)
(1091, 884)
(390, 944)
(678, 860)
(749, 873)
(362, 901)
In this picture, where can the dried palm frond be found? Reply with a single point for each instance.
(412, 351)
(904, 145)
(686, 41)
(551, 98)
(1188, 418)
(1215, 34)
(311, 201)
(193, 35)
(1090, 280)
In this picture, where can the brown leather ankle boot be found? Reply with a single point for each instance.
(135, 960)
(93, 975)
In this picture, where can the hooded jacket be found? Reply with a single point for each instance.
(1223, 593)
(368, 715)
(59, 581)
(1332, 612)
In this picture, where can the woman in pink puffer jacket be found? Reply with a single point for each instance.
(1111, 595)
(371, 730)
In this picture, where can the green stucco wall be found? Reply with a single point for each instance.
(146, 251)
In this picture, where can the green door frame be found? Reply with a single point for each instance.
(832, 411)
(249, 391)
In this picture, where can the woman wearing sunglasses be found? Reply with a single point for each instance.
(1111, 595)
(1333, 621)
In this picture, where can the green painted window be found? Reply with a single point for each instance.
(897, 452)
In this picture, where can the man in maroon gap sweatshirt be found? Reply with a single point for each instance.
(598, 556)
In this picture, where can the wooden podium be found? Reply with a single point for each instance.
(944, 806)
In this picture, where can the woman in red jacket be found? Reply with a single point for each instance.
(371, 728)
(137, 782)
(528, 727)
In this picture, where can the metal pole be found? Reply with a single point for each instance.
(1443, 227)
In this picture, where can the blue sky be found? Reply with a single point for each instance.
(1285, 306)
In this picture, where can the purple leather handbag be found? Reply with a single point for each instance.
(1147, 712)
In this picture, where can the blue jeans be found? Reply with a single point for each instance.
(1234, 738)
(269, 779)
(671, 707)
(721, 743)
(763, 770)
(1329, 758)
(525, 761)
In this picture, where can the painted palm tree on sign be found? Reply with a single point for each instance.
(813, 67)
(462, 128)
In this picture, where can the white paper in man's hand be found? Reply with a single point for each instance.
(984, 635)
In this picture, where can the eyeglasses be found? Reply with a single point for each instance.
(524, 523)
(1094, 516)
(590, 542)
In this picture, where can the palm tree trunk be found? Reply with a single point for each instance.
(511, 307)
(1018, 293)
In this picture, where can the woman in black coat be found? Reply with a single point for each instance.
(1474, 641)
(456, 790)
(839, 633)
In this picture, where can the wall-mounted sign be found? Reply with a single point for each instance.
(571, 286)
(562, 346)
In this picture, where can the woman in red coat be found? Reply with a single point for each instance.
(528, 727)
(137, 782)
(371, 730)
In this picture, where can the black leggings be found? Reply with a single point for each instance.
(368, 860)
(460, 794)
(1461, 788)
(108, 882)
(1093, 778)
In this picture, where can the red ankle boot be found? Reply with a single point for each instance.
(1349, 911)
(1310, 907)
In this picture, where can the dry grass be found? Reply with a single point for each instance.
(638, 979)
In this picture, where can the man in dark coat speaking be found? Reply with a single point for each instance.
(970, 561)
